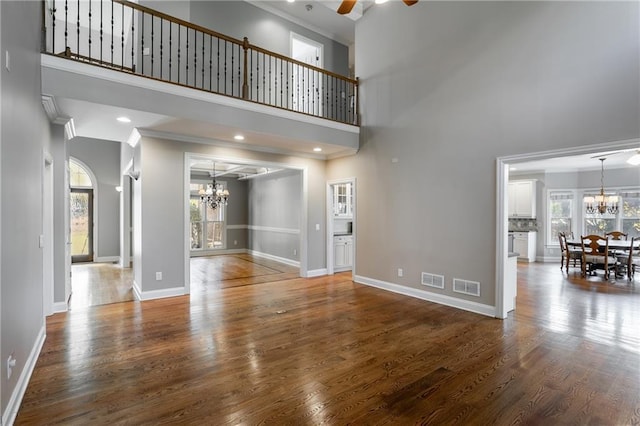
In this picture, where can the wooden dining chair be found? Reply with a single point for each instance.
(629, 261)
(568, 254)
(616, 235)
(595, 255)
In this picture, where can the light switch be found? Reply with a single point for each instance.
(317, 226)
(7, 65)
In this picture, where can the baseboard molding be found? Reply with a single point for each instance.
(156, 294)
(107, 259)
(218, 251)
(316, 273)
(275, 258)
(548, 259)
(60, 307)
(465, 305)
(10, 413)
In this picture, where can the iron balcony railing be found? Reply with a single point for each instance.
(131, 38)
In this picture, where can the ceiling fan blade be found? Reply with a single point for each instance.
(410, 2)
(346, 7)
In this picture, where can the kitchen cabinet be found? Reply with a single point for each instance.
(524, 243)
(522, 198)
(342, 252)
(342, 200)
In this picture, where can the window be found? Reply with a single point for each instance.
(560, 215)
(207, 224)
(630, 212)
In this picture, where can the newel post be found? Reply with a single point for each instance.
(245, 84)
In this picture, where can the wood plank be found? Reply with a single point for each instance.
(279, 349)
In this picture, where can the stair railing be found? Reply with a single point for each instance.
(128, 37)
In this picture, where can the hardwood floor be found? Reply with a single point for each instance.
(328, 351)
(95, 284)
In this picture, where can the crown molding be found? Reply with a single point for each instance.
(52, 110)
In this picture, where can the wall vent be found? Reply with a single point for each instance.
(471, 288)
(432, 280)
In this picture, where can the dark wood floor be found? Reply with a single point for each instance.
(328, 351)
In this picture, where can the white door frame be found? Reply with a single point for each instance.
(303, 241)
(47, 234)
(502, 181)
(329, 227)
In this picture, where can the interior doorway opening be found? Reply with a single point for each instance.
(341, 225)
(81, 209)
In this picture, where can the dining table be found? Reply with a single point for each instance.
(621, 245)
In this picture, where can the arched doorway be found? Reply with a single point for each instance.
(81, 212)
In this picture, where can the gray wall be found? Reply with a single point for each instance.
(474, 81)
(60, 206)
(240, 19)
(103, 158)
(275, 203)
(24, 133)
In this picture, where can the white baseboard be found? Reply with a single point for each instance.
(204, 253)
(107, 259)
(275, 258)
(466, 305)
(317, 273)
(60, 307)
(156, 294)
(10, 413)
(548, 259)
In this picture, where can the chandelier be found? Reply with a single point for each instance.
(601, 203)
(215, 195)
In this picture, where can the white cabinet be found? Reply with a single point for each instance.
(342, 253)
(522, 198)
(524, 243)
(342, 200)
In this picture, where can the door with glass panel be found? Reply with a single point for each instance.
(81, 222)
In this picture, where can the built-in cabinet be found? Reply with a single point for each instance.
(342, 252)
(524, 243)
(342, 200)
(522, 198)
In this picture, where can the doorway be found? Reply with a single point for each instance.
(81, 200)
(341, 225)
(505, 287)
(307, 84)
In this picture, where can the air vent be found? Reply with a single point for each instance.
(471, 288)
(432, 280)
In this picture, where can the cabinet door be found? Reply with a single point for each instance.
(339, 254)
(522, 201)
(348, 253)
(521, 246)
(342, 200)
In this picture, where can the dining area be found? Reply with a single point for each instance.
(612, 255)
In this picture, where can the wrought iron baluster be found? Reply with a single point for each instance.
(66, 25)
(218, 68)
(133, 40)
(170, 48)
(264, 79)
(101, 32)
(179, 37)
(122, 39)
(89, 30)
(187, 60)
(78, 29)
(225, 67)
(153, 47)
(112, 23)
(161, 46)
(202, 72)
(210, 62)
(195, 58)
(53, 27)
(142, 45)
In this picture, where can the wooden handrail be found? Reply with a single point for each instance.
(230, 39)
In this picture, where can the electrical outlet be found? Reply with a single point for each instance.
(400, 272)
(158, 276)
(235, 242)
(7, 65)
(11, 364)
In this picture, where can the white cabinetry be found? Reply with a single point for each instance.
(342, 200)
(522, 198)
(342, 252)
(524, 243)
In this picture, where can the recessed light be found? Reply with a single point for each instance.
(380, 1)
(290, 1)
(124, 119)
(239, 137)
(317, 149)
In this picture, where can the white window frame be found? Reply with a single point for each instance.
(552, 240)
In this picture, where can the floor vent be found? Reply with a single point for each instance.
(471, 288)
(432, 280)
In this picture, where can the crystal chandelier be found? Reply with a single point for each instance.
(215, 195)
(601, 203)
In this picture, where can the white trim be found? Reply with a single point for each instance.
(273, 229)
(86, 70)
(275, 258)
(330, 218)
(317, 273)
(206, 253)
(59, 307)
(157, 294)
(106, 259)
(231, 227)
(52, 110)
(10, 413)
(441, 299)
(548, 259)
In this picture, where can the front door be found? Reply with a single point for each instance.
(81, 225)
